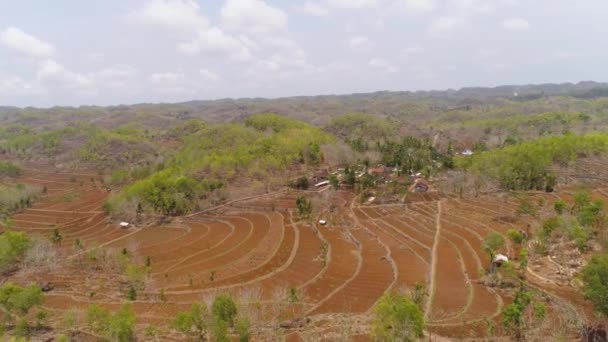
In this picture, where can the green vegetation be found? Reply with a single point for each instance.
(522, 313)
(584, 220)
(9, 169)
(15, 197)
(525, 166)
(397, 318)
(17, 302)
(544, 122)
(116, 327)
(595, 279)
(221, 152)
(361, 131)
(13, 246)
(492, 243)
(193, 322)
(304, 207)
(412, 155)
(198, 322)
(224, 309)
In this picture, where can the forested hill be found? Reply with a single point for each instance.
(417, 106)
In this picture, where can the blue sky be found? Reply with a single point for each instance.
(69, 52)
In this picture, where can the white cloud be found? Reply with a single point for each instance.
(445, 25)
(354, 4)
(416, 6)
(118, 77)
(29, 45)
(173, 14)
(215, 42)
(411, 51)
(480, 6)
(52, 72)
(16, 86)
(254, 16)
(209, 75)
(313, 8)
(166, 78)
(516, 24)
(359, 43)
(384, 65)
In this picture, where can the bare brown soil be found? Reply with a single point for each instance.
(259, 246)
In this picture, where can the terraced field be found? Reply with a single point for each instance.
(257, 246)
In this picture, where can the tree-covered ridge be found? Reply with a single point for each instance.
(540, 120)
(362, 127)
(215, 154)
(526, 166)
(81, 143)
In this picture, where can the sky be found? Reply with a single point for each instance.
(74, 52)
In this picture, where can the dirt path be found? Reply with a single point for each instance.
(433, 270)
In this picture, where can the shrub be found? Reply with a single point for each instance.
(492, 243)
(559, 206)
(193, 322)
(17, 300)
(13, 246)
(516, 236)
(121, 324)
(397, 318)
(9, 169)
(243, 328)
(595, 280)
(224, 308)
(304, 207)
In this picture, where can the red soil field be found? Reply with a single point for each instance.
(259, 245)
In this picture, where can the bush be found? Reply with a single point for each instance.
(116, 327)
(243, 328)
(559, 206)
(13, 246)
(9, 169)
(595, 280)
(224, 308)
(193, 322)
(17, 300)
(516, 236)
(397, 318)
(304, 207)
(122, 323)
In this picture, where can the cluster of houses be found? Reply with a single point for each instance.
(383, 173)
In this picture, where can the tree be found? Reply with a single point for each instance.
(224, 308)
(559, 206)
(219, 330)
(595, 280)
(513, 314)
(121, 324)
(193, 322)
(397, 318)
(491, 244)
(304, 207)
(116, 327)
(13, 245)
(243, 328)
(301, 183)
(17, 302)
(98, 319)
(516, 236)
